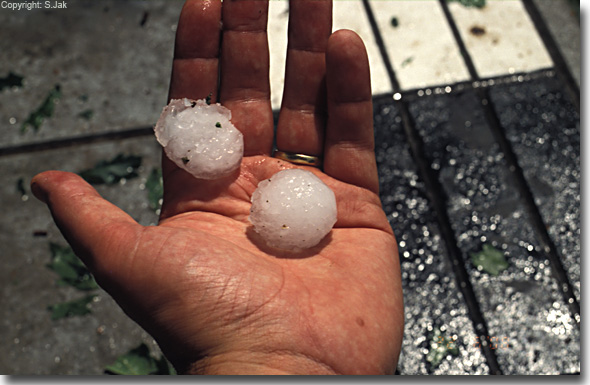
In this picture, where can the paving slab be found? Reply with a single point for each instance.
(422, 50)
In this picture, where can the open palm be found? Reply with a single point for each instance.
(208, 289)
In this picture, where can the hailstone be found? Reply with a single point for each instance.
(200, 138)
(293, 209)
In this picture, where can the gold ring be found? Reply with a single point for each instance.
(302, 159)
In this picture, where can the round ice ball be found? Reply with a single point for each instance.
(293, 209)
(200, 138)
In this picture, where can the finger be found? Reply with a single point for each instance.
(244, 76)
(349, 149)
(195, 64)
(302, 116)
(101, 234)
(196, 51)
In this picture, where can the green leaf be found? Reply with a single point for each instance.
(471, 3)
(72, 308)
(490, 260)
(440, 347)
(11, 80)
(407, 61)
(112, 171)
(394, 22)
(86, 114)
(155, 189)
(45, 110)
(20, 187)
(71, 271)
(165, 367)
(139, 361)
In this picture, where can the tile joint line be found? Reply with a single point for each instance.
(76, 140)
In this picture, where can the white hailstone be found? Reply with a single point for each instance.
(293, 209)
(200, 138)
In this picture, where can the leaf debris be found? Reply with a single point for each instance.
(155, 189)
(86, 114)
(69, 268)
(471, 3)
(139, 361)
(72, 308)
(11, 80)
(44, 111)
(440, 347)
(490, 260)
(112, 171)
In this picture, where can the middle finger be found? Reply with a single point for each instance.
(244, 80)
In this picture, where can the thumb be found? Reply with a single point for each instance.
(100, 233)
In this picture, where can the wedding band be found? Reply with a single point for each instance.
(302, 159)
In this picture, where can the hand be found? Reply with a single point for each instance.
(215, 298)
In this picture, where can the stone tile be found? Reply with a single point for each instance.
(523, 303)
(500, 38)
(419, 43)
(116, 69)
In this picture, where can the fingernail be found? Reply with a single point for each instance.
(38, 192)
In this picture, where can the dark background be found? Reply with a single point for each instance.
(492, 162)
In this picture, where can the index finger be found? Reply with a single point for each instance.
(349, 151)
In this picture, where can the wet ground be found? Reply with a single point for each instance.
(479, 168)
